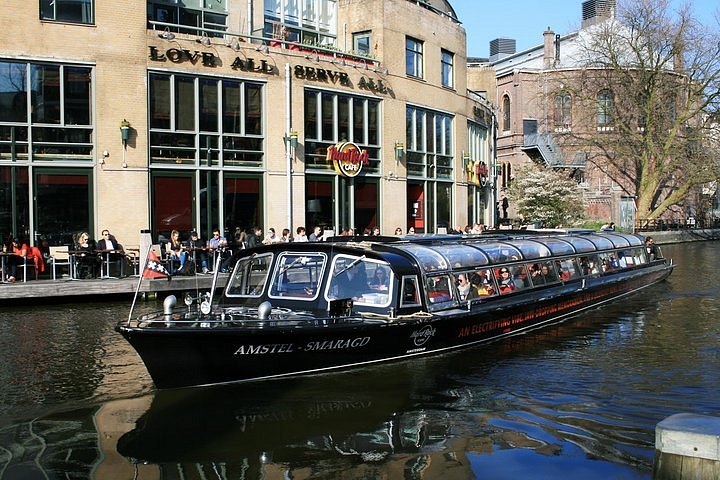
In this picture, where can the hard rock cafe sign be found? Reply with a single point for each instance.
(347, 158)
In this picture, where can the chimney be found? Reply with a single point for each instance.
(678, 61)
(549, 50)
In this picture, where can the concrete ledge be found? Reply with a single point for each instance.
(689, 435)
(677, 236)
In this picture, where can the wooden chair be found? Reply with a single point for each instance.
(60, 257)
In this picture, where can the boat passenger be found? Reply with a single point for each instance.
(536, 274)
(548, 273)
(505, 281)
(481, 285)
(652, 249)
(438, 289)
(351, 282)
(463, 286)
(379, 280)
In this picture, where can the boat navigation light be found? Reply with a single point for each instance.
(264, 310)
(205, 307)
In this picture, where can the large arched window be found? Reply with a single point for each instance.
(562, 115)
(506, 113)
(606, 108)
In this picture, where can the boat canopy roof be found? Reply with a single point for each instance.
(456, 253)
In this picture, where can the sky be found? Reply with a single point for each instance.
(526, 20)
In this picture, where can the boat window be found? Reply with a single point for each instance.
(557, 246)
(601, 243)
(568, 269)
(505, 280)
(631, 239)
(500, 252)
(297, 275)
(249, 276)
(462, 256)
(548, 272)
(482, 283)
(626, 258)
(640, 256)
(438, 289)
(535, 272)
(410, 292)
(531, 249)
(366, 281)
(581, 244)
(589, 265)
(618, 240)
(475, 284)
(428, 259)
(608, 261)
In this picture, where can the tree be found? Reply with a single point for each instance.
(547, 197)
(649, 83)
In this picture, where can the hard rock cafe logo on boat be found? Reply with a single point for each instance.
(347, 158)
(421, 337)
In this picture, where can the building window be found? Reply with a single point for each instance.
(60, 123)
(506, 113)
(562, 115)
(331, 118)
(429, 143)
(446, 73)
(606, 108)
(362, 43)
(72, 11)
(185, 19)
(310, 22)
(205, 121)
(413, 57)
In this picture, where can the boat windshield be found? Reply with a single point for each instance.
(297, 275)
(366, 281)
(249, 276)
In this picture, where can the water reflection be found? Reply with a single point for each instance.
(578, 400)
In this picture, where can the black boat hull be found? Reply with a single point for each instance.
(180, 356)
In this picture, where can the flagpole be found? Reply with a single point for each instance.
(137, 289)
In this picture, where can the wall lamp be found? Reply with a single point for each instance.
(399, 150)
(167, 34)
(234, 44)
(124, 136)
(264, 49)
(205, 40)
(292, 139)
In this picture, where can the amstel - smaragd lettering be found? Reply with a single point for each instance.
(275, 348)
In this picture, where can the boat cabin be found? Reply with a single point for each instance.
(398, 276)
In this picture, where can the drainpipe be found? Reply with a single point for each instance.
(289, 150)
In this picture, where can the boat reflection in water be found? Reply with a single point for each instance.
(298, 427)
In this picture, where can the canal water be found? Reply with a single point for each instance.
(577, 400)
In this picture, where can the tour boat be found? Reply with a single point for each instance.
(306, 308)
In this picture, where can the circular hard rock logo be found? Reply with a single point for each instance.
(347, 158)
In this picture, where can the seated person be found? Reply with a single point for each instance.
(349, 279)
(87, 262)
(481, 285)
(438, 289)
(379, 280)
(175, 251)
(505, 281)
(548, 273)
(463, 285)
(197, 250)
(111, 250)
